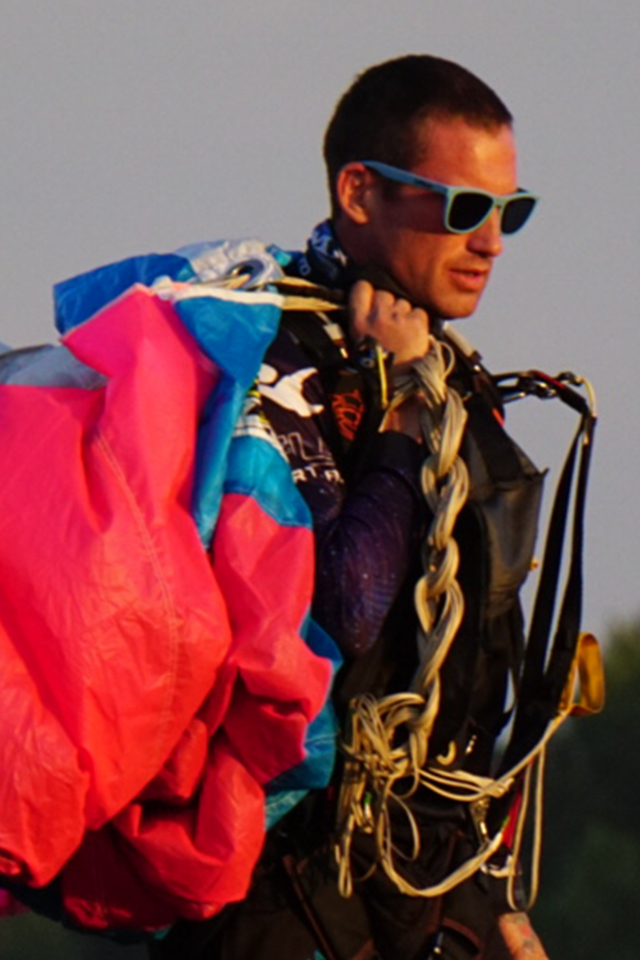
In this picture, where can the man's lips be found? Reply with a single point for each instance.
(470, 279)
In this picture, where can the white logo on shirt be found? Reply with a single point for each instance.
(288, 391)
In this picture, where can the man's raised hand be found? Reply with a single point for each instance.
(400, 328)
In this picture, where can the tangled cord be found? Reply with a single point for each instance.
(386, 741)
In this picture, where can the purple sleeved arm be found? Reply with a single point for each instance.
(366, 539)
(367, 530)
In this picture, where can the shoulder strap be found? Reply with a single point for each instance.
(542, 682)
(544, 674)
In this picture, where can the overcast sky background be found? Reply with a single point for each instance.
(136, 125)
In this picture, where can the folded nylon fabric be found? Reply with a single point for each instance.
(163, 688)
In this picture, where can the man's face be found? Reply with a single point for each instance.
(402, 230)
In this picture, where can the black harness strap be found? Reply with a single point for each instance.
(292, 869)
(542, 684)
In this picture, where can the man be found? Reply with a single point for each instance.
(410, 251)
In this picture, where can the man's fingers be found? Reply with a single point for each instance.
(370, 308)
(361, 299)
(398, 326)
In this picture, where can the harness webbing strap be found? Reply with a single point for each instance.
(542, 685)
(564, 644)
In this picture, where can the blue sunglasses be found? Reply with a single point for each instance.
(466, 208)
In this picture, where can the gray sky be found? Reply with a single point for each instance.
(136, 125)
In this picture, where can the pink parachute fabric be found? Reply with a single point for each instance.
(151, 690)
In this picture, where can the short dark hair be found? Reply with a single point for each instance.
(377, 118)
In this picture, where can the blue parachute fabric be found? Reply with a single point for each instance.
(256, 468)
(80, 297)
(234, 332)
(236, 345)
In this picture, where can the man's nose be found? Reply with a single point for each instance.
(487, 239)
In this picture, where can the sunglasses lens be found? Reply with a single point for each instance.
(516, 213)
(467, 210)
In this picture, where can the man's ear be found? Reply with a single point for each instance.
(353, 191)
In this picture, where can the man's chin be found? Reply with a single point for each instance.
(457, 312)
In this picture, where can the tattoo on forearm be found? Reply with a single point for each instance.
(520, 937)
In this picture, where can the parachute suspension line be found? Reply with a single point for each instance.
(535, 767)
(296, 293)
(386, 740)
(445, 485)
